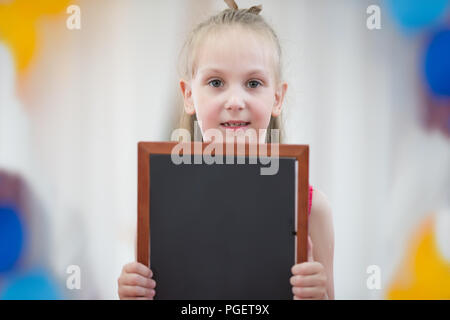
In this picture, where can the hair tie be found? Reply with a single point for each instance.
(231, 4)
(254, 9)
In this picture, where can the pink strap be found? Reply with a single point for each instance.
(310, 194)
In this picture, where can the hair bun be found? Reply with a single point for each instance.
(231, 4)
(254, 9)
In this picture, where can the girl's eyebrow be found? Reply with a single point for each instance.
(249, 73)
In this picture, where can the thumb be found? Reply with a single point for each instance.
(310, 250)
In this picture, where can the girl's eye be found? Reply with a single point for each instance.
(254, 84)
(215, 83)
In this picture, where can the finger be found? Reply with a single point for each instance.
(134, 279)
(308, 293)
(297, 298)
(139, 268)
(307, 281)
(307, 268)
(310, 250)
(135, 291)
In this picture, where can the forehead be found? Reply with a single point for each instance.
(235, 49)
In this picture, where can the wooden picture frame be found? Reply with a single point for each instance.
(145, 149)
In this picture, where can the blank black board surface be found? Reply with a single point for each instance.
(221, 231)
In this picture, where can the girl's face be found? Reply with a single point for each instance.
(234, 87)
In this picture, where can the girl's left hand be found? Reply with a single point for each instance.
(309, 280)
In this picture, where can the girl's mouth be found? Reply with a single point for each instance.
(234, 124)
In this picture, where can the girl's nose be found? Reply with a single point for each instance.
(235, 102)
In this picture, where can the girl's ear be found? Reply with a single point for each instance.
(279, 97)
(186, 90)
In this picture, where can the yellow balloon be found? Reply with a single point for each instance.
(18, 26)
(424, 273)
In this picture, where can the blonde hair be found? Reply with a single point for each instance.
(248, 18)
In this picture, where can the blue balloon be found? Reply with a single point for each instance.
(33, 285)
(437, 64)
(11, 238)
(416, 14)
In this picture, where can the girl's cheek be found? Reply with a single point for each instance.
(262, 115)
(207, 115)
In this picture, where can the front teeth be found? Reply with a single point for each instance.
(235, 124)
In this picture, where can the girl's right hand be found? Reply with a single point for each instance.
(135, 282)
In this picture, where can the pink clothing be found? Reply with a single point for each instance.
(310, 194)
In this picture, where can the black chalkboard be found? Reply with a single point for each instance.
(221, 231)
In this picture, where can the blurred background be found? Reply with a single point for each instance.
(372, 103)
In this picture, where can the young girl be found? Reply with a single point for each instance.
(232, 81)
